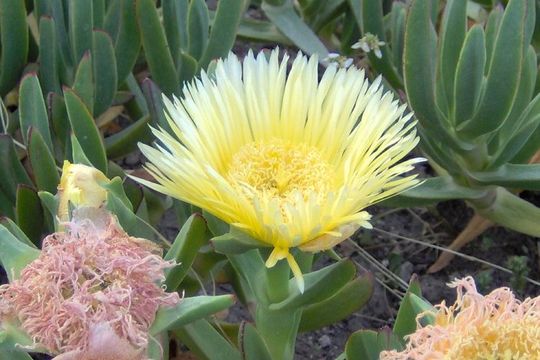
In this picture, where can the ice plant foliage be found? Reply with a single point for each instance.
(495, 326)
(79, 185)
(91, 294)
(289, 159)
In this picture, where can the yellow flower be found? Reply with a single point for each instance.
(288, 159)
(492, 327)
(80, 185)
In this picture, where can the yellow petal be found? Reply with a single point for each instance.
(80, 185)
(330, 239)
(283, 253)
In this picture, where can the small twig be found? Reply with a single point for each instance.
(457, 253)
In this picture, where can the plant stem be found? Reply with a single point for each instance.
(279, 329)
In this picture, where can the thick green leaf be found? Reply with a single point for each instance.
(85, 130)
(372, 21)
(154, 98)
(48, 67)
(77, 153)
(419, 72)
(216, 226)
(363, 345)
(112, 20)
(530, 148)
(187, 68)
(59, 119)
(368, 344)
(291, 25)
(514, 176)
(39, 7)
(188, 310)
(125, 141)
(32, 110)
(406, 317)
(50, 202)
(419, 305)
(469, 76)
(250, 267)
(328, 12)
(350, 298)
(119, 204)
(128, 41)
(224, 28)
(84, 81)
(492, 29)
(156, 49)
(397, 36)
(16, 231)
(432, 191)
(519, 118)
(13, 341)
(6, 206)
(14, 254)
(452, 34)
(521, 147)
(99, 13)
(13, 173)
(158, 346)
(259, 30)
(190, 239)
(319, 286)
(42, 161)
(251, 343)
(14, 40)
(59, 13)
(29, 213)
(175, 24)
(138, 107)
(198, 23)
(81, 24)
(206, 342)
(235, 242)
(504, 73)
(510, 210)
(105, 76)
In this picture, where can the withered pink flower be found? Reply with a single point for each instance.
(92, 293)
(494, 326)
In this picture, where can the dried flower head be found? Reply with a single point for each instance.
(491, 327)
(89, 281)
(291, 160)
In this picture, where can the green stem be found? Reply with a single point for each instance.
(278, 328)
(278, 281)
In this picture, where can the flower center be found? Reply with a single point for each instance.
(279, 168)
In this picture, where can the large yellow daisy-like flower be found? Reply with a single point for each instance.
(290, 160)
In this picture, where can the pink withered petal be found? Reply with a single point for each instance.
(494, 326)
(104, 344)
(93, 276)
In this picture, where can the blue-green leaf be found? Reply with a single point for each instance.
(188, 310)
(32, 110)
(469, 76)
(14, 254)
(14, 40)
(85, 130)
(198, 23)
(105, 76)
(184, 249)
(291, 25)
